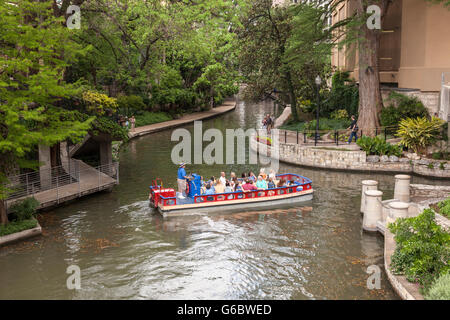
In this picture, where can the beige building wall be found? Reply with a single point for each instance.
(414, 47)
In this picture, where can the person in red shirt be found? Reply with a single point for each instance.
(249, 186)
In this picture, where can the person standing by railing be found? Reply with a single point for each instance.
(354, 130)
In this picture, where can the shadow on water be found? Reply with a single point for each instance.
(314, 250)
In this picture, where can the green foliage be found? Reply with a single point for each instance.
(108, 125)
(378, 146)
(98, 103)
(129, 105)
(402, 107)
(34, 52)
(344, 94)
(25, 209)
(324, 124)
(440, 289)
(441, 155)
(340, 114)
(147, 118)
(17, 226)
(444, 207)
(423, 248)
(419, 133)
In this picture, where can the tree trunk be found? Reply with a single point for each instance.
(3, 214)
(370, 101)
(292, 97)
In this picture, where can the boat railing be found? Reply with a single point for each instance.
(305, 184)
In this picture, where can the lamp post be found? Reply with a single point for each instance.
(318, 83)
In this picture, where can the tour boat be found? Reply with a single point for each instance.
(165, 200)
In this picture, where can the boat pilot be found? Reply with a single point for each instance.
(182, 177)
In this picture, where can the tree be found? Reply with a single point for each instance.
(34, 51)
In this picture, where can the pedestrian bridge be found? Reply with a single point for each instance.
(73, 179)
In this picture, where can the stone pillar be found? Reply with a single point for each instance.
(367, 185)
(401, 190)
(45, 162)
(372, 210)
(397, 209)
(105, 152)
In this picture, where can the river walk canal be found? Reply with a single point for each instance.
(315, 250)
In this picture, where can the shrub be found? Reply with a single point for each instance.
(444, 207)
(24, 210)
(130, 104)
(402, 107)
(344, 94)
(423, 248)
(378, 146)
(99, 103)
(341, 114)
(440, 290)
(419, 133)
(17, 226)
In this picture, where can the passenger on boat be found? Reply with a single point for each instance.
(271, 184)
(228, 187)
(261, 183)
(238, 187)
(248, 186)
(181, 180)
(243, 175)
(232, 175)
(222, 178)
(209, 190)
(251, 176)
(281, 183)
(219, 187)
(262, 173)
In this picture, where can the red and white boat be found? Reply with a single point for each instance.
(165, 200)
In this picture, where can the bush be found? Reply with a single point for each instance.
(17, 226)
(419, 133)
(378, 146)
(402, 107)
(98, 103)
(344, 94)
(24, 210)
(440, 290)
(151, 117)
(444, 207)
(423, 248)
(341, 114)
(128, 105)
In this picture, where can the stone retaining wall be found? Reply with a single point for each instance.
(350, 160)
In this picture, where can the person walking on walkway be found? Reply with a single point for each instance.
(133, 123)
(354, 130)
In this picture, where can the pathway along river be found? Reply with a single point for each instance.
(313, 251)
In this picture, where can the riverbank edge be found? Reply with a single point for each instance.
(227, 106)
(405, 289)
(21, 235)
(289, 154)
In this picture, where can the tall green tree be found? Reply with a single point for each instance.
(34, 52)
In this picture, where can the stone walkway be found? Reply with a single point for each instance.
(140, 131)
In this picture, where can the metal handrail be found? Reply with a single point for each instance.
(28, 184)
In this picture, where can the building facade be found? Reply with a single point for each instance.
(414, 51)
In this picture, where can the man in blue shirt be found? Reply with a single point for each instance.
(182, 180)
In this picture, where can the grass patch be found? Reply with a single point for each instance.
(147, 118)
(17, 226)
